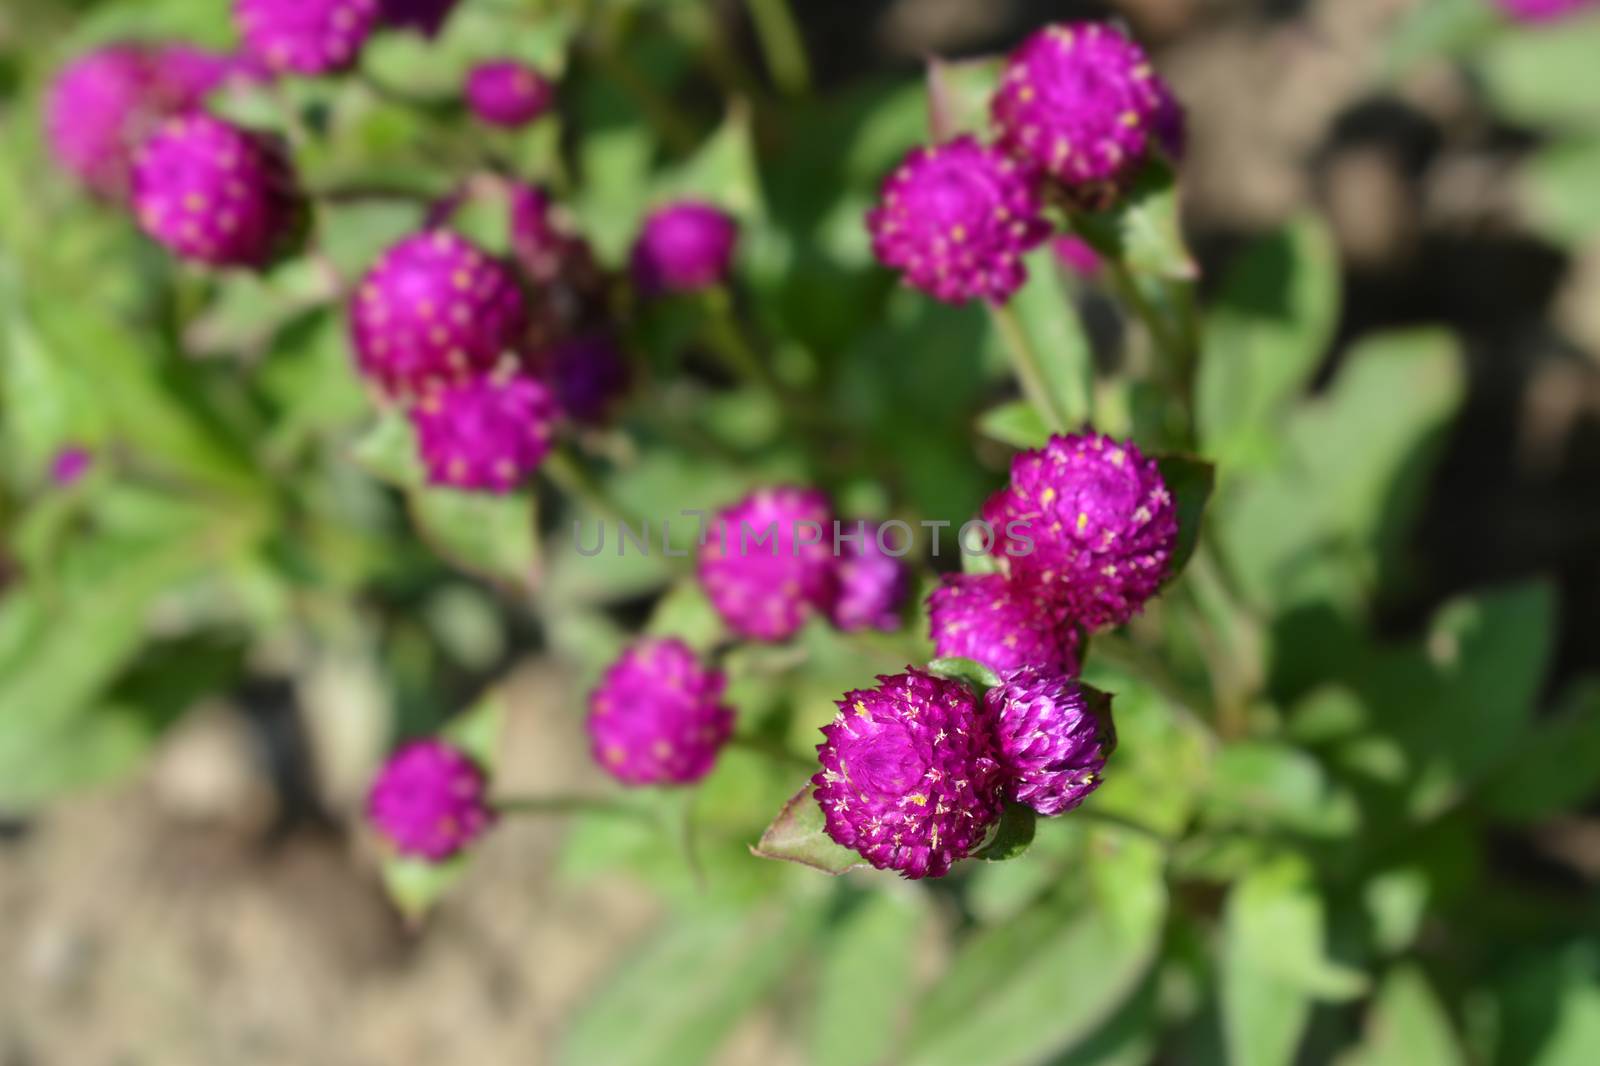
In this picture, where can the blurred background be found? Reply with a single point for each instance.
(183, 875)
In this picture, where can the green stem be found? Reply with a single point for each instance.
(782, 44)
(1028, 367)
(1172, 349)
(727, 338)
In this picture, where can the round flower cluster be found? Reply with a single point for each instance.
(916, 772)
(1078, 112)
(305, 36)
(685, 246)
(430, 801)
(486, 433)
(991, 620)
(508, 93)
(657, 716)
(214, 193)
(769, 562)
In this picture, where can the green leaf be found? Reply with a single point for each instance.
(686, 613)
(1407, 1026)
(723, 170)
(494, 536)
(1029, 989)
(799, 835)
(867, 978)
(388, 452)
(1545, 78)
(1016, 423)
(1011, 837)
(1274, 965)
(1048, 316)
(1191, 482)
(1556, 768)
(1265, 785)
(1266, 332)
(1144, 229)
(1558, 185)
(959, 92)
(677, 998)
(1439, 28)
(971, 671)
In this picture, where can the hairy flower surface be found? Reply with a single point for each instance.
(305, 36)
(1543, 10)
(425, 16)
(214, 193)
(507, 92)
(1088, 522)
(1081, 102)
(909, 777)
(684, 247)
(767, 561)
(956, 219)
(986, 618)
(435, 308)
(872, 584)
(657, 717)
(486, 433)
(104, 104)
(430, 800)
(1052, 744)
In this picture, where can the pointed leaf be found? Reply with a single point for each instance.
(799, 835)
(971, 671)
(1012, 836)
(1144, 229)
(1190, 481)
(1017, 423)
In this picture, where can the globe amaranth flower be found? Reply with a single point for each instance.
(766, 563)
(956, 219)
(507, 92)
(871, 583)
(588, 374)
(434, 308)
(684, 247)
(1543, 10)
(485, 433)
(214, 193)
(105, 103)
(1088, 522)
(1005, 626)
(429, 800)
(305, 36)
(1082, 103)
(1052, 742)
(909, 776)
(425, 16)
(69, 464)
(657, 717)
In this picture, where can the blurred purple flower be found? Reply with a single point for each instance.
(657, 717)
(429, 801)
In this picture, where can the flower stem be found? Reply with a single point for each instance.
(1028, 367)
(1173, 347)
(727, 338)
(782, 44)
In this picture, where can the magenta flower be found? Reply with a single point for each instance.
(305, 36)
(657, 717)
(1543, 10)
(486, 433)
(1077, 255)
(435, 308)
(871, 584)
(956, 219)
(988, 619)
(69, 465)
(1052, 744)
(1088, 522)
(684, 247)
(425, 16)
(507, 92)
(588, 374)
(767, 562)
(429, 801)
(909, 777)
(214, 193)
(1081, 102)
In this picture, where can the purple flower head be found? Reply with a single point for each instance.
(194, 73)
(1543, 10)
(1100, 520)
(425, 16)
(956, 219)
(684, 247)
(215, 193)
(104, 104)
(909, 777)
(486, 433)
(767, 561)
(1077, 255)
(657, 717)
(429, 800)
(1079, 101)
(990, 620)
(872, 584)
(305, 36)
(1052, 743)
(435, 308)
(507, 92)
(588, 374)
(70, 464)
